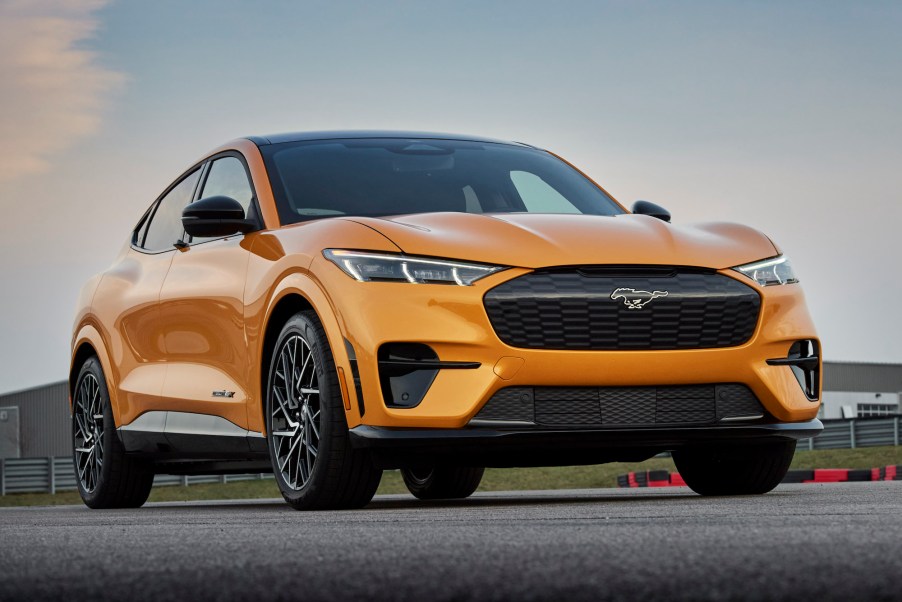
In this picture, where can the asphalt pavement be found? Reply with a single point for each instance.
(800, 542)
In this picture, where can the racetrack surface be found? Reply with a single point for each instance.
(830, 541)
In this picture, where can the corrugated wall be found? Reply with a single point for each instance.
(865, 378)
(44, 421)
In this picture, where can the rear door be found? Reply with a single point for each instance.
(202, 319)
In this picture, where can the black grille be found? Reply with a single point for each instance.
(513, 403)
(581, 308)
(622, 406)
(581, 406)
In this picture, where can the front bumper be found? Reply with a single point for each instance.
(452, 320)
(394, 448)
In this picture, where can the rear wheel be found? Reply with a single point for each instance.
(106, 476)
(442, 482)
(314, 464)
(747, 470)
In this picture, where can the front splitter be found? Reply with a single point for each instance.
(534, 446)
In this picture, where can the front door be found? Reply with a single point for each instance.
(202, 321)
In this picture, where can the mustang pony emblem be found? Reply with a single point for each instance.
(634, 299)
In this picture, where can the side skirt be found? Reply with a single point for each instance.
(177, 436)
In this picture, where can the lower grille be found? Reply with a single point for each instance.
(622, 406)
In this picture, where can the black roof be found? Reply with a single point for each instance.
(352, 134)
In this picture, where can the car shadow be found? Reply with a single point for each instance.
(480, 500)
(489, 499)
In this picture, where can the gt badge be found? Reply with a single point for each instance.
(634, 299)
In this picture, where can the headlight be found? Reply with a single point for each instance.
(768, 272)
(385, 267)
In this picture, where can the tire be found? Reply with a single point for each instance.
(309, 446)
(442, 482)
(748, 470)
(106, 476)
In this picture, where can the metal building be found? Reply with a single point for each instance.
(36, 423)
(860, 390)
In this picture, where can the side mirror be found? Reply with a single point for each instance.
(649, 208)
(215, 216)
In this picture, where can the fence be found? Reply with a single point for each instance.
(49, 475)
(857, 432)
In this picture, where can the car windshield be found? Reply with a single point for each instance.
(395, 176)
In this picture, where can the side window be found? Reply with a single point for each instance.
(166, 224)
(539, 196)
(138, 238)
(228, 178)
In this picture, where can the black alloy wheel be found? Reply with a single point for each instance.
(105, 475)
(309, 445)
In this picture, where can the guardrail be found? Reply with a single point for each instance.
(855, 432)
(49, 475)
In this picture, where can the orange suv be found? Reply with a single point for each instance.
(329, 305)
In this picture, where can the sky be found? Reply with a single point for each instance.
(784, 115)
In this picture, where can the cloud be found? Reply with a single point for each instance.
(53, 91)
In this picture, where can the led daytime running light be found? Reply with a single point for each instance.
(769, 272)
(385, 267)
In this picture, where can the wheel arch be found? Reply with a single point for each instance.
(89, 343)
(297, 293)
(288, 305)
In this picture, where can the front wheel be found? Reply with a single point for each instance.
(735, 470)
(314, 464)
(442, 482)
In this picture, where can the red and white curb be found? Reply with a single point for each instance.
(663, 478)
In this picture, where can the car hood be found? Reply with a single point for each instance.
(541, 240)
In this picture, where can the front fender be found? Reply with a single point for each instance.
(304, 285)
